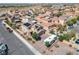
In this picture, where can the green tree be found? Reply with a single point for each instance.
(69, 23)
(59, 14)
(47, 44)
(52, 32)
(35, 36)
(64, 37)
(78, 18)
(74, 20)
(61, 38)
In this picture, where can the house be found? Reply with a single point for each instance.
(51, 39)
(27, 24)
(38, 29)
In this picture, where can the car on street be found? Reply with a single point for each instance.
(3, 49)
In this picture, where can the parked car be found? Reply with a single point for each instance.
(9, 30)
(77, 22)
(3, 49)
(77, 49)
(71, 27)
(77, 41)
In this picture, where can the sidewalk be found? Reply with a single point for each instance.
(24, 41)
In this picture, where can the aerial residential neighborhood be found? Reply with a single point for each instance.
(39, 29)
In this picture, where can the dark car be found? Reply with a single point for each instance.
(77, 41)
(77, 50)
(71, 27)
(9, 30)
(3, 49)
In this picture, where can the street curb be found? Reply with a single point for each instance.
(24, 41)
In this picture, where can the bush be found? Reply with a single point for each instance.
(64, 37)
(52, 32)
(36, 36)
(47, 44)
(74, 20)
(78, 18)
(61, 38)
(59, 14)
(67, 36)
(69, 23)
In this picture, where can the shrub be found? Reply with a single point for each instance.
(59, 14)
(52, 32)
(64, 37)
(78, 18)
(36, 36)
(69, 23)
(47, 44)
(74, 20)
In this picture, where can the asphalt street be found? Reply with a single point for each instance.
(16, 47)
